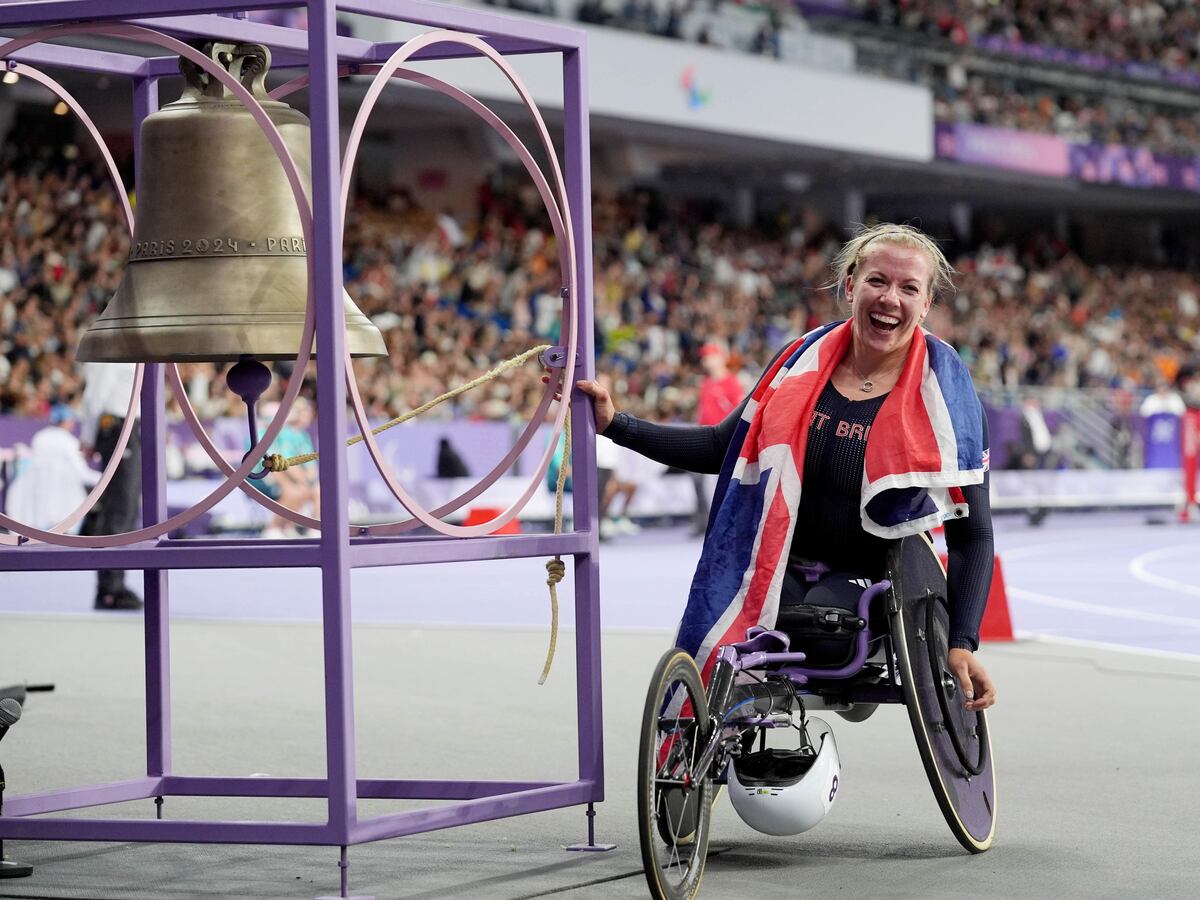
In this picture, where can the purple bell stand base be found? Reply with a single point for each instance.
(591, 846)
(10, 869)
(344, 865)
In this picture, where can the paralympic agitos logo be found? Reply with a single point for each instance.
(696, 96)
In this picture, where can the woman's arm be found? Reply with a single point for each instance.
(696, 448)
(971, 554)
(969, 578)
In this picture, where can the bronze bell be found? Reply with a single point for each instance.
(217, 268)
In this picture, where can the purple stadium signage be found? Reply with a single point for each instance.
(841, 9)
(1043, 154)
(1117, 164)
(1002, 148)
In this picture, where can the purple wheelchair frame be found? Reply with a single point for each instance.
(765, 647)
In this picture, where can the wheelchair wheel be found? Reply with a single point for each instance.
(674, 799)
(953, 742)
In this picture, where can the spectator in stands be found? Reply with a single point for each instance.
(1156, 35)
(672, 23)
(593, 12)
(296, 487)
(766, 40)
(719, 394)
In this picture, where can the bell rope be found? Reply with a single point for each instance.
(555, 568)
(275, 462)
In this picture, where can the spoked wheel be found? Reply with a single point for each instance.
(674, 799)
(953, 741)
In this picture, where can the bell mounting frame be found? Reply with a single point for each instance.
(200, 61)
(339, 548)
(566, 247)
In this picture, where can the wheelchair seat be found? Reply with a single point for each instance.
(824, 615)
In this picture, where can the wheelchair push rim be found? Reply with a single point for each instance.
(954, 743)
(674, 799)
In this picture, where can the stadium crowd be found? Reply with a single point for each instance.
(1005, 102)
(455, 298)
(1159, 33)
(1166, 35)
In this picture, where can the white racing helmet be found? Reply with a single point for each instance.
(785, 792)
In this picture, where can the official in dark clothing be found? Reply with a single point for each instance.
(449, 463)
(105, 401)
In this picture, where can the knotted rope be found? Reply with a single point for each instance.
(556, 568)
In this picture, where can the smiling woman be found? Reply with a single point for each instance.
(858, 433)
(889, 276)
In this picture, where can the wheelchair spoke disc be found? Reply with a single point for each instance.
(674, 797)
(954, 743)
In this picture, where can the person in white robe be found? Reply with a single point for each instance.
(54, 479)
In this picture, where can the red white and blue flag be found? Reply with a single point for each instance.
(925, 444)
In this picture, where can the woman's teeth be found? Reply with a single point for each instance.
(885, 323)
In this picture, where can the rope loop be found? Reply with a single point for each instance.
(556, 569)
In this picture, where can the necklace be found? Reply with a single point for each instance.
(867, 384)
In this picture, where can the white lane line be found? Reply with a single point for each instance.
(1042, 638)
(1138, 569)
(1096, 609)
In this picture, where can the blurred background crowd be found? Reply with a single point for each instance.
(455, 297)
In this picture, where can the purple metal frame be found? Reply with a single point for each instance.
(862, 640)
(320, 51)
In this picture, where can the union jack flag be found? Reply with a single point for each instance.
(926, 442)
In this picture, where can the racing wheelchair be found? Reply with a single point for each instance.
(693, 739)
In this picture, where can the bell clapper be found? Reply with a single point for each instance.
(248, 378)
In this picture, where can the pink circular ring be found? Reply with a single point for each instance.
(127, 428)
(145, 35)
(421, 515)
(557, 225)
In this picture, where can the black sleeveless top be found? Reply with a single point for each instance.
(828, 523)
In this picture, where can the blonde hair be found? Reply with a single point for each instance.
(941, 282)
